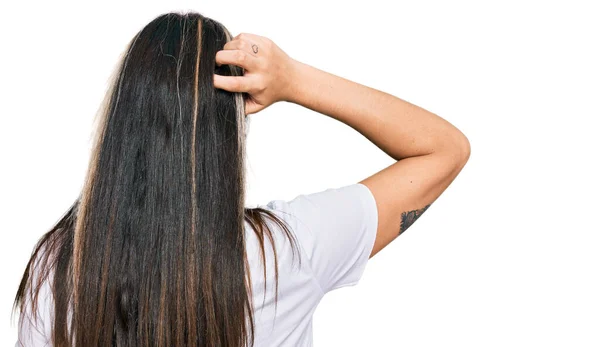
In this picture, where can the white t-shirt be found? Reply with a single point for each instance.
(335, 230)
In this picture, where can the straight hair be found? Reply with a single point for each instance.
(152, 252)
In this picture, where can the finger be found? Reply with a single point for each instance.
(237, 57)
(251, 107)
(246, 36)
(233, 83)
(242, 45)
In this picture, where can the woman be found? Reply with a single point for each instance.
(159, 250)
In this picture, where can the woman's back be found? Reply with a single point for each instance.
(335, 229)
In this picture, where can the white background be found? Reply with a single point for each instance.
(509, 255)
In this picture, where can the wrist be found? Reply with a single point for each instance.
(294, 81)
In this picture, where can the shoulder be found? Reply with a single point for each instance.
(337, 229)
(346, 201)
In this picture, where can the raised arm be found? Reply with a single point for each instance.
(430, 152)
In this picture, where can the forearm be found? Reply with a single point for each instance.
(397, 127)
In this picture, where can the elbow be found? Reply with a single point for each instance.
(458, 149)
(464, 148)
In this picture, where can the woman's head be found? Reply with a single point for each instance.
(153, 250)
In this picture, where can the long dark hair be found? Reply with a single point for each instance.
(152, 252)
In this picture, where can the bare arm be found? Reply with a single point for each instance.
(398, 127)
(430, 152)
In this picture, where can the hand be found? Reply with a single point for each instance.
(267, 71)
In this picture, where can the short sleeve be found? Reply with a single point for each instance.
(336, 228)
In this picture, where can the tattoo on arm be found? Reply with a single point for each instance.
(408, 218)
